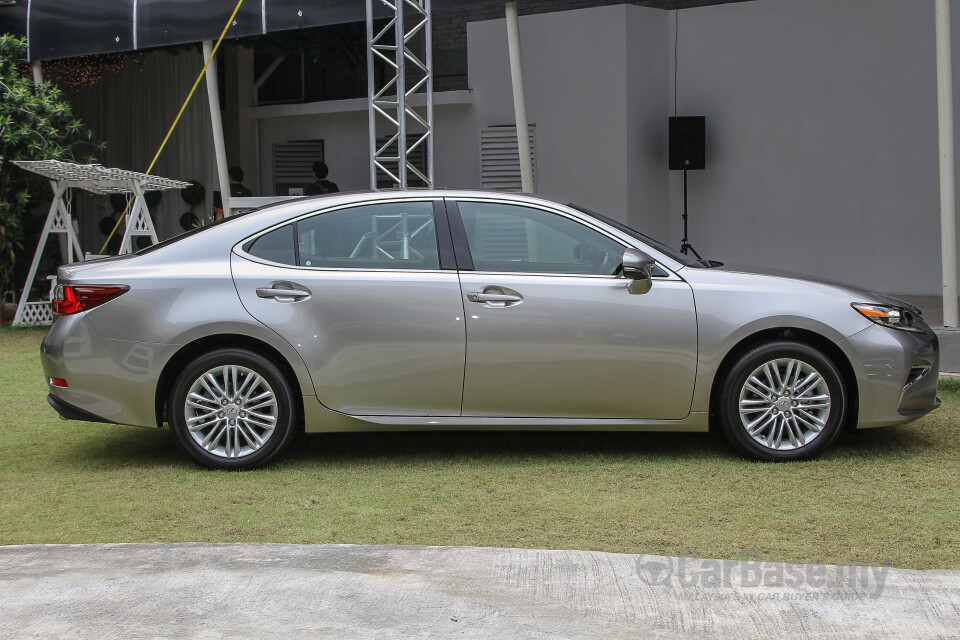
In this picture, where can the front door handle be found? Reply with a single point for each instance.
(495, 297)
(284, 292)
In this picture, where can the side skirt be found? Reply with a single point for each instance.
(319, 419)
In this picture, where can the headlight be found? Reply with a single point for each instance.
(888, 316)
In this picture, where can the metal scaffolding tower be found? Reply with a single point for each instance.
(390, 105)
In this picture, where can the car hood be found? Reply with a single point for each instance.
(861, 294)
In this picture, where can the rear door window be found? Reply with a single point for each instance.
(399, 235)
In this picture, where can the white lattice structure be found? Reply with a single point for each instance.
(95, 179)
(35, 313)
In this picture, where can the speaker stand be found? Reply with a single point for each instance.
(685, 243)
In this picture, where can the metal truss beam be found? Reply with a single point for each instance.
(406, 74)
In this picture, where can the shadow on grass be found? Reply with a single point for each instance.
(905, 441)
(504, 445)
(140, 448)
(870, 445)
(131, 447)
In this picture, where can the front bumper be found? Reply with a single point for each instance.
(897, 374)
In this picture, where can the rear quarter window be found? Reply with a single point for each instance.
(276, 246)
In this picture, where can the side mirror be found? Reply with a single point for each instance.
(637, 266)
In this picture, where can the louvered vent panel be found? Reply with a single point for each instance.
(500, 158)
(293, 163)
(502, 239)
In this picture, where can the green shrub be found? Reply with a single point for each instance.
(36, 123)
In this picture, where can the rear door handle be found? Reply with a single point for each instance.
(284, 292)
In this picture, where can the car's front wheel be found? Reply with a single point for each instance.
(232, 409)
(782, 400)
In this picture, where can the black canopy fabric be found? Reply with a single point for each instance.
(68, 28)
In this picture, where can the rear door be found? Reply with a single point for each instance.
(370, 301)
(552, 332)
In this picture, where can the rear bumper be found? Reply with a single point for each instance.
(69, 412)
(111, 380)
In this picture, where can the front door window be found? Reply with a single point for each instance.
(508, 238)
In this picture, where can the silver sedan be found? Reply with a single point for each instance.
(463, 309)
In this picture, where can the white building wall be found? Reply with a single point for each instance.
(345, 136)
(575, 66)
(345, 148)
(456, 147)
(821, 138)
(646, 131)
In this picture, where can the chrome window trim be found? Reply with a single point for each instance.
(541, 274)
(670, 277)
(663, 261)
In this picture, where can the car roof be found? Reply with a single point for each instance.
(241, 227)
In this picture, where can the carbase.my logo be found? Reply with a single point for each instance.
(689, 570)
(655, 569)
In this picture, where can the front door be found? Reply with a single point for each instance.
(552, 332)
(360, 293)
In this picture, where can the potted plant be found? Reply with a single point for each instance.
(193, 195)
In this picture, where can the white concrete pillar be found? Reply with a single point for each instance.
(213, 98)
(519, 97)
(948, 205)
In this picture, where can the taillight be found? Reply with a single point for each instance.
(74, 298)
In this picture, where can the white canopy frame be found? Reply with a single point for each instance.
(95, 179)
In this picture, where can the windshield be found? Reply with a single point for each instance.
(659, 246)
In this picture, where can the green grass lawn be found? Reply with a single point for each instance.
(882, 495)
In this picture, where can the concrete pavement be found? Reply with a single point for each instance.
(347, 591)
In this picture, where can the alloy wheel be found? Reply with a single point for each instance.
(784, 404)
(231, 411)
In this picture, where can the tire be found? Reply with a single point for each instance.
(227, 423)
(782, 400)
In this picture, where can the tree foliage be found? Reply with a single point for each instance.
(36, 123)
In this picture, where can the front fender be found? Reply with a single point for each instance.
(732, 307)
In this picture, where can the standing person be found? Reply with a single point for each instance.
(237, 190)
(320, 183)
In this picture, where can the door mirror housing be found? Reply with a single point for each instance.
(638, 267)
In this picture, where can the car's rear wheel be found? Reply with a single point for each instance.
(232, 409)
(782, 400)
